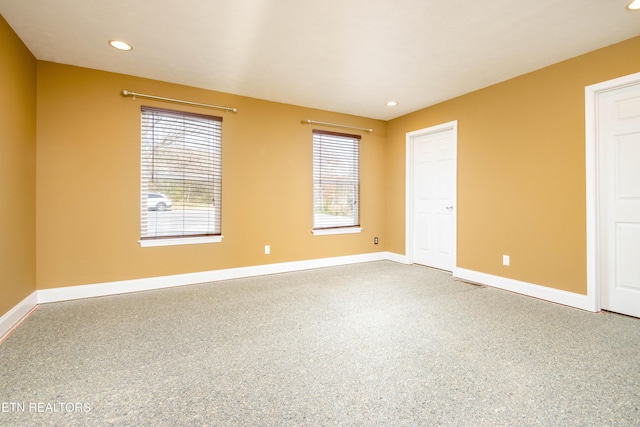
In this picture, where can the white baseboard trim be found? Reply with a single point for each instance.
(542, 292)
(11, 318)
(15, 315)
(146, 284)
(400, 259)
(42, 296)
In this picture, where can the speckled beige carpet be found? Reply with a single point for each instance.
(374, 344)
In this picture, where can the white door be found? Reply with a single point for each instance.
(618, 171)
(434, 196)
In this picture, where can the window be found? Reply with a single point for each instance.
(181, 177)
(336, 182)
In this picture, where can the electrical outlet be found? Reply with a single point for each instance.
(375, 240)
(505, 260)
(267, 249)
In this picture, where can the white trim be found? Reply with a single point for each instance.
(400, 259)
(149, 243)
(341, 230)
(529, 289)
(453, 125)
(591, 156)
(136, 285)
(15, 315)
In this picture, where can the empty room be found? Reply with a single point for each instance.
(295, 213)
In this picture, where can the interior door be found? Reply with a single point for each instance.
(434, 196)
(619, 199)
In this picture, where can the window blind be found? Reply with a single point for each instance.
(181, 176)
(336, 180)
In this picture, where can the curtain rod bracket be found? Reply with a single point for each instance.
(178, 101)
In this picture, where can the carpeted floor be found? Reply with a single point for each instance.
(375, 344)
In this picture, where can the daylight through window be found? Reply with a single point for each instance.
(336, 180)
(181, 174)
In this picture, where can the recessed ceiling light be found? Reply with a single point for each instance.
(634, 5)
(391, 103)
(120, 45)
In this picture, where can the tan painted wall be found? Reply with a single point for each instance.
(521, 169)
(89, 172)
(17, 169)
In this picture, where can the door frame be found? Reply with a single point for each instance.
(410, 137)
(594, 287)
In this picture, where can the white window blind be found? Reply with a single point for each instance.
(181, 174)
(336, 180)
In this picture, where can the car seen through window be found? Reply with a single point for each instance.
(158, 202)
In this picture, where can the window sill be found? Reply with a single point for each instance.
(345, 230)
(179, 241)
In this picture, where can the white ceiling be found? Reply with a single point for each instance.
(349, 56)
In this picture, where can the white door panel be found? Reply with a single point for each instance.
(627, 254)
(433, 197)
(619, 199)
(627, 169)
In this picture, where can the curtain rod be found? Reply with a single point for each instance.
(313, 122)
(178, 101)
